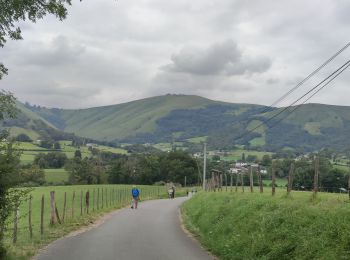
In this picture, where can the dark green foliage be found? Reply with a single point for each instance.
(50, 160)
(23, 138)
(86, 171)
(77, 154)
(32, 176)
(152, 168)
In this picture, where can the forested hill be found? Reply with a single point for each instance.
(181, 117)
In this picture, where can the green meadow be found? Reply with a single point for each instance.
(236, 225)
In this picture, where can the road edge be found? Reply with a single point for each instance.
(191, 235)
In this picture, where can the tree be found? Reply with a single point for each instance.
(77, 154)
(57, 146)
(32, 175)
(13, 12)
(23, 138)
(9, 167)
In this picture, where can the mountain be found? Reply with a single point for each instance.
(181, 117)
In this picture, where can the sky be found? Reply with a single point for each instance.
(115, 51)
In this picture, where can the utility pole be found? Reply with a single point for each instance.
(204, 164)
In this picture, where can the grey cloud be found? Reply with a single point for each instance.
(223, 58)
(109, 52)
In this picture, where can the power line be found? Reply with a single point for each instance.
(332, 76)
(305, 79)
(318, 90)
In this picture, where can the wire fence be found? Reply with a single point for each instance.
(53, 209)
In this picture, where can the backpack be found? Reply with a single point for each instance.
(135, 192)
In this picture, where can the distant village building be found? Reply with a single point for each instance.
(241, 164)
(92, 145)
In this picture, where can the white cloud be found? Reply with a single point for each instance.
(110, 51)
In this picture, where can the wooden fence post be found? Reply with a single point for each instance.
(273, 176)
(98, 198)
(64, 206)
(30, 217)
(87, 201)
(15, 224)
(93, 200)
(316, 162)
(226, 181)
(242, 182)
(102, 198)
(290, 178)
(42, 216)
(231, 181)
(260, 180)
(251, 180)
(53, 219)
(81, 203)
(73, 204)
(236, 181)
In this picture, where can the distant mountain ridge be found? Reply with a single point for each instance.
(181, 117)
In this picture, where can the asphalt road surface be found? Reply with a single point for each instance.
(151, 232)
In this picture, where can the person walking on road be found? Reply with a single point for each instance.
(135, 192)
(173, 194)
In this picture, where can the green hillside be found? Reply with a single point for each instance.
(117, 122)
(183, 118)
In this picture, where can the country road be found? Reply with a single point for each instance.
(151, 232)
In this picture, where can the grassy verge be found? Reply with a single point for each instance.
(115, 196)
(259, 226)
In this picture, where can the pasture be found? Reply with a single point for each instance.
(236, 225)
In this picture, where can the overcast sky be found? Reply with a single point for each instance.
(114, 51)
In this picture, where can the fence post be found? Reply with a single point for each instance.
(53, 208)
(87, 201)
(273, 176)
(251, 180)
(316, 162)
(260, 180)
(81, 203)
(42, 216)
(290, 178)
(242, 181)
(64, 206)
(98, 198)
(102, 197)
(30, 218)
(15, 224)
(73, 204)
(93, 200)
(236, 181)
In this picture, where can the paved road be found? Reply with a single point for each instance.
(151, 232)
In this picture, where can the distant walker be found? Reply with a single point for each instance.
(135, 196)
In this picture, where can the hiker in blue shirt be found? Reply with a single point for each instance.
(136, 196)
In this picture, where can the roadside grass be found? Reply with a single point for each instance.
(115, 196)
(258, 226)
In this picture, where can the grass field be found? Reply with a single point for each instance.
(30, 150)
(56, 176)
(114, 196)
(235, 155)
(197, 140)
(259, 226)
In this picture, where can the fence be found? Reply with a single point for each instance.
(49, 208)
